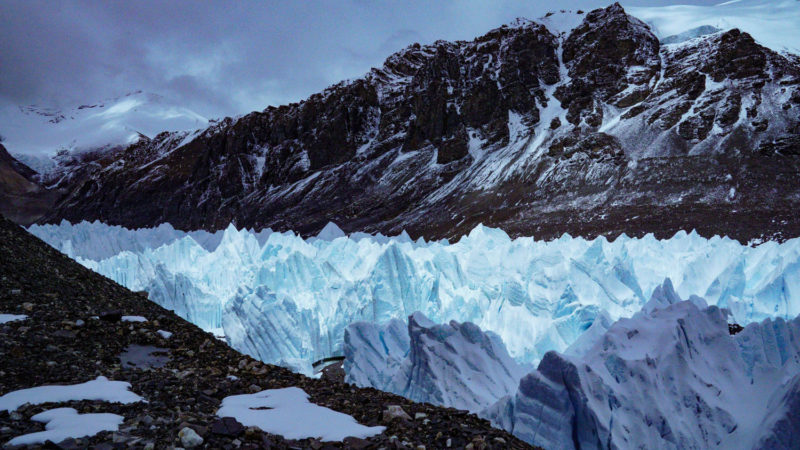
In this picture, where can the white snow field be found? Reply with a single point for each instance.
(100, 388)
(64, 423)
(671, 377)
(281, 298)
(287, 412)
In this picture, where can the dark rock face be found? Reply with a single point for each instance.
(607, 54)
(599, 130)
(21, 197)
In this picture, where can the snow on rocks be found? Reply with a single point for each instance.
(64, 423)
(189, 438)
(164, 334)
(393, 412)
(287, 412)
(98, 389)
(5, 318)
(133, 319)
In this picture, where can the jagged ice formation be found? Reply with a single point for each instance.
(284, 299)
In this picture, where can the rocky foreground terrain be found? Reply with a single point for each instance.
(580, 122)
(73, 334)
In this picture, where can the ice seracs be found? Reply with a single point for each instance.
(669, 377)
(454, 364)
(279, 297)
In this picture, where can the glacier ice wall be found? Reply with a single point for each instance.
(282, 298)
(669, 377)
(454, 364)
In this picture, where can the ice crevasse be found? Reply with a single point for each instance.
(285, 299)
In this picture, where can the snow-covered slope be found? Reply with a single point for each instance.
(454, 364)
(281, 297)
(35, 133)
(669, 377)
(773, 23)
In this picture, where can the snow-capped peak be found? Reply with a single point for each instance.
(772, 23)
(562, 22)
(42, 130)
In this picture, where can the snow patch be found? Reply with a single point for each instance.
(98, 389)
(288, 413)
(164, 334)
(64, 423)
(5, 318)
(134, 319)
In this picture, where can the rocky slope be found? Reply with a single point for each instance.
(22, 198)
(536, 127)
(73, 334)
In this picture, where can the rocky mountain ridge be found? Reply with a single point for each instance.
(22, 198)
(535, 128)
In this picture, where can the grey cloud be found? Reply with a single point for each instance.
(220, 57)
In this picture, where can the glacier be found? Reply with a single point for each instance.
(673, 377)
(285, 299)
(454, 364)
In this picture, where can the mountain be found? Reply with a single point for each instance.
(22, 199)
(579, 123)
(36, 133)
(673, 376)
(702, 30)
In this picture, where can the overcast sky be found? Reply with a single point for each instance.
(225, 58)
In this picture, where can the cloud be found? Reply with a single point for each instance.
(218, 57)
